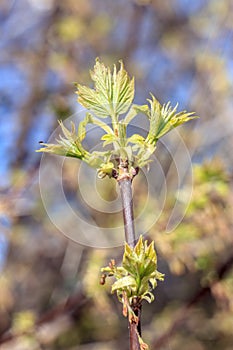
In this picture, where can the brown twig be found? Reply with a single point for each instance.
(125, 182)
(127, 203)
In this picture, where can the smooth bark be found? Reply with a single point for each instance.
(127, 204)
(125, 184)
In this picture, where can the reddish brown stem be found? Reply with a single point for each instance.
(133, 337)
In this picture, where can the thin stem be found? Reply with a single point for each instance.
(125, 183)
(133, 337)
(127, 203)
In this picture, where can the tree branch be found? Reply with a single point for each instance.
(125, 183)
(127, 204)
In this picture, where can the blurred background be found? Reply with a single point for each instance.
(179, 50)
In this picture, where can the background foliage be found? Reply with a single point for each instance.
(180, 51)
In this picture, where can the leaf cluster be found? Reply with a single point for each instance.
(137, 276)
(112, 94)
(112, 97)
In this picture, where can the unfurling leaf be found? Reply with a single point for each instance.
(139, 247)
(82, 126)
(124, 282)
(109, 138)
(138, 274)
(113, 92)
(164, 118)
(149, 297)
(137, 139)
(134, 110)
(67, 145)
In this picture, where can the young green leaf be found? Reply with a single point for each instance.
(149, 297)
(139, 248)
(109, 138)
(60, 150)
(105, 169)
(124, 282)
(164, 118)
(113, 92)
(138, 274)
(136, 139)
(67, 145)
